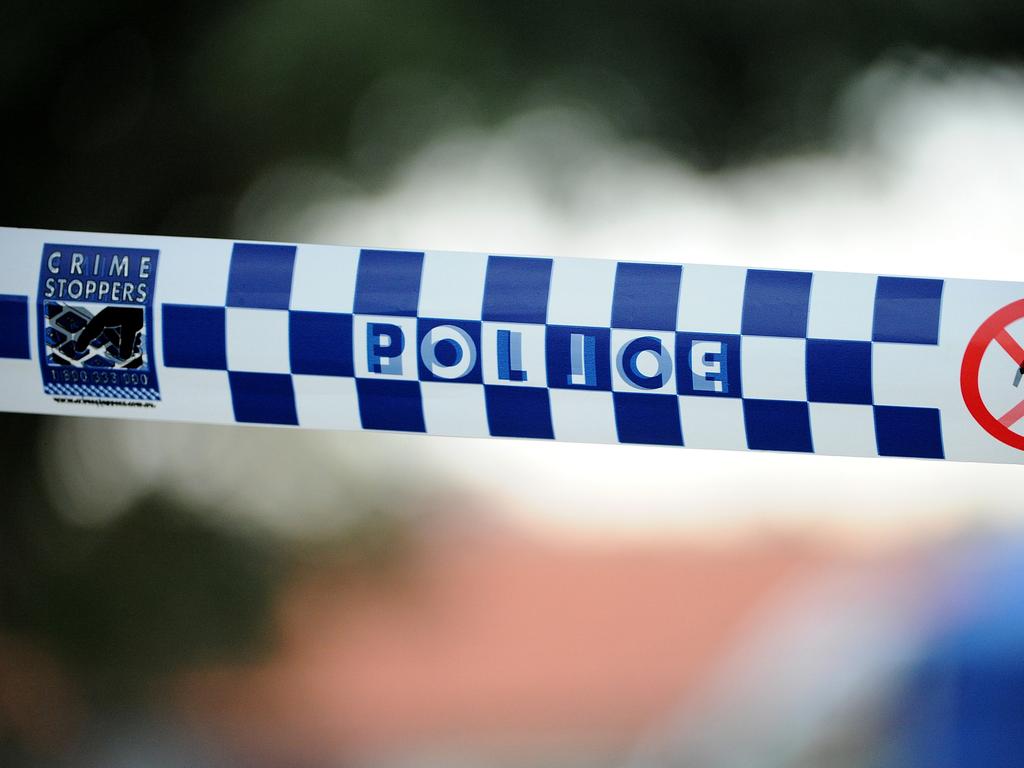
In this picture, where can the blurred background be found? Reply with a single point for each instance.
(176, 595)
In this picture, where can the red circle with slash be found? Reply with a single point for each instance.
(993, 330)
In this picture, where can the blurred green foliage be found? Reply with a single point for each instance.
(155, 117)
(124, 605)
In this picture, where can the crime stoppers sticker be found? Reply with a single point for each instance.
(992, 375)
(95, 322)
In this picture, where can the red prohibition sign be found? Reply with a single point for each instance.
(993, 330)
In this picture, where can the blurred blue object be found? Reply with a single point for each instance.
(963, 704)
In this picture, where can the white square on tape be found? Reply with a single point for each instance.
(324, 279)
(774, 368)
(843, 430)
(21, 389)
(193, 272)
(452, 285)
(257, 340)
(713, 422)
(711, 299)
(897, 371)
(458, 410)
(190, 394)
(581, 292)
(583, 417)
(326, 402)
(842, 306)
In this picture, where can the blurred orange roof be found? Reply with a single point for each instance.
(492, 641)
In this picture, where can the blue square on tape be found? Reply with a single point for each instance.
(912, 432)
(516, 289)
(448, 350)
(775, 303)
(646, 296)
(577, 357)
(708, 364)
(907, 310)
(14, 327)
(839, 371)
(648, 419)
(263, 398)
(320, 343)
(778, 425)
(518, 412)
(390, 405)
(260, 276)
(194, 337)
(388, 282)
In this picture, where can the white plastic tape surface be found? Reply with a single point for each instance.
(468, 344)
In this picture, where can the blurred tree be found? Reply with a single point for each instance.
(156, 117)
(121, 607)
(100, 616)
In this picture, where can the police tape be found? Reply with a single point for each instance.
(466, 344)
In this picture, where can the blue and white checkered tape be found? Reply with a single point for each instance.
(481, 345)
